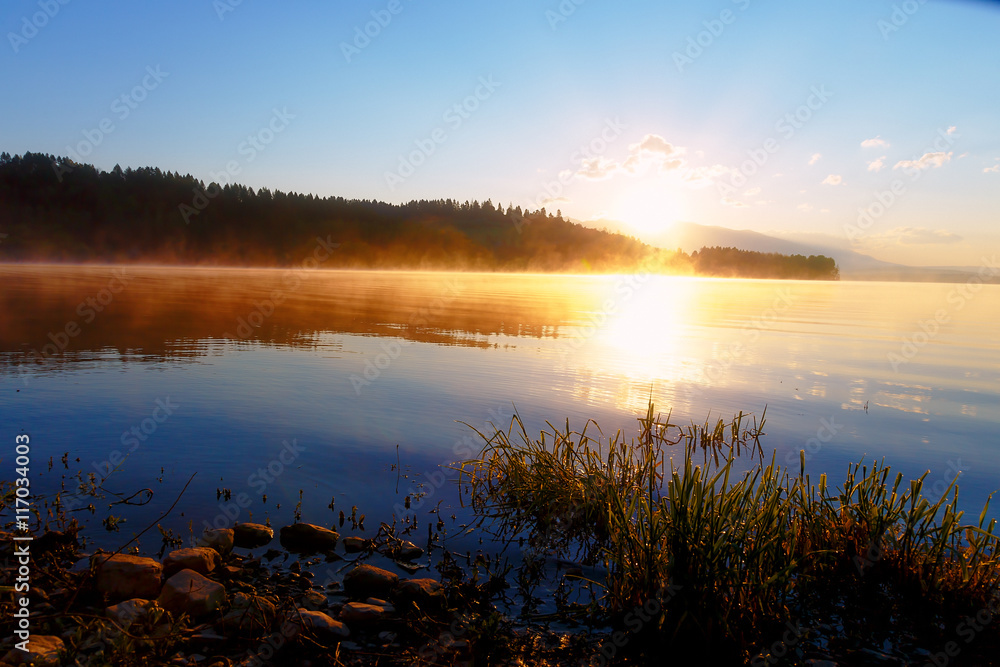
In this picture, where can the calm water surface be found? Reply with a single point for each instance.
(268, 382)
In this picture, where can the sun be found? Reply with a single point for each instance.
(647, 209)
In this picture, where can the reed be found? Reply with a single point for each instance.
(740, 549)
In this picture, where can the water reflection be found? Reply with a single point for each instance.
(354, 363)
(169, 313)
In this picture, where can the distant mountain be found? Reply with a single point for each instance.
(689, 236)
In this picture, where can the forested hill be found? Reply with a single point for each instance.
(52, 209)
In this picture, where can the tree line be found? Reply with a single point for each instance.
(54, 209)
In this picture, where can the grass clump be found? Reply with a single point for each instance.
(740, 552)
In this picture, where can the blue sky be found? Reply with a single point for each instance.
(476, 100)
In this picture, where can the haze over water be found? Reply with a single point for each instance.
(337, 368)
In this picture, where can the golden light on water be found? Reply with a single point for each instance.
(651, 319)
(645, 341)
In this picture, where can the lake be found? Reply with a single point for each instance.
(268, 382)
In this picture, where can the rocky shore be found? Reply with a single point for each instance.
(311, 598)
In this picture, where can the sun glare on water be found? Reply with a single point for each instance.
(645, 338)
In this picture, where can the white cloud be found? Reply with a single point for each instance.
(815, 158)
(805, 207)
(995, 169)
(877, 141)
(752, 191)
(548, 201)
(632, 163)
(654, 143)
(877, 165)
(727, 201)
(926, 161)
(598, 169)
(671, 165)
(952, 130)
(833, 179)
(653, 150)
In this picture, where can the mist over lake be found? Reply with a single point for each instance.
(271, 381)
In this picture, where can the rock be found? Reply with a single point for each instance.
(200, 559)
(220, 539)
(409, 551)
(53, 540)
(360, 613)
(125, 576)
(127, 612)
(229, 571)
(252, 535)
(367, 581)
(319, 622)
(386, 607)
(250, 614)
(305, 537)
(42, 650)
(190, 593)
(402, 550)
(425, 593)
(355, 544)
(314, 601)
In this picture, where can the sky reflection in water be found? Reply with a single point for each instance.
(350, 364)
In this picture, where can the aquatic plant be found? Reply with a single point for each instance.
(737, 551)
